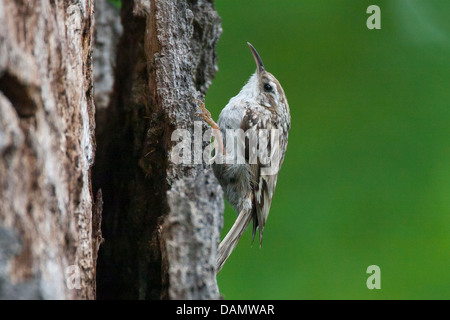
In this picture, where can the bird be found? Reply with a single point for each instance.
(260, 108)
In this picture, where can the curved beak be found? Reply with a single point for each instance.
(259, 63)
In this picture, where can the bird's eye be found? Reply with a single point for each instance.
(268, 87)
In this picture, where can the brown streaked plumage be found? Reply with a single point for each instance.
(260, 107)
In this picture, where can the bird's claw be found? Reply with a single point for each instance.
(206, 115)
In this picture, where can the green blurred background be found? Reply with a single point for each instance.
(366, 179)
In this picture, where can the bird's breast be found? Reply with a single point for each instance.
(231, 116)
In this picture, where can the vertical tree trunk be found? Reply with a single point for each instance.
(49, 226)
(162, 221)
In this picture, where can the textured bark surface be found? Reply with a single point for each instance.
(47, 147)
(108, 30)
(191, 233)
(161, 220)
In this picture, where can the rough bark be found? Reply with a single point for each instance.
(108, 30)
(161, 220)
(49, 225)
(191, 233)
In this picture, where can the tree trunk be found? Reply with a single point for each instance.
(162, 221)
(49, 225)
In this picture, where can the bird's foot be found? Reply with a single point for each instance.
(206, 115)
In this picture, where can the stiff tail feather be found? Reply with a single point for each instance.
(232, 238)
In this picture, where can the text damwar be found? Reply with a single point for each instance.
(227, 309)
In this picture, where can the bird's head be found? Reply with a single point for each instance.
(264, 87)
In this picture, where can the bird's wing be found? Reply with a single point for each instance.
(263, 179)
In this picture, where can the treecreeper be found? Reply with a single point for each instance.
(252, 133)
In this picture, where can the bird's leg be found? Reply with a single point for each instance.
(206, 115)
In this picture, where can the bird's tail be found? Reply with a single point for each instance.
(232, 238)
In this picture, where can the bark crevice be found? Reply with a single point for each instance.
(166, 57)
(152, 228)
